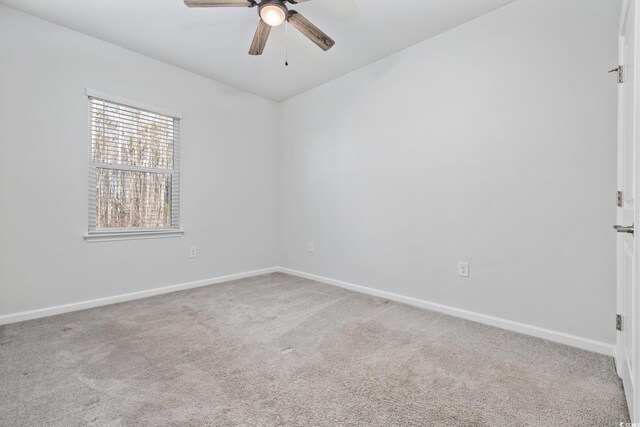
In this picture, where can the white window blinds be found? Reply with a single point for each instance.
(134, 169)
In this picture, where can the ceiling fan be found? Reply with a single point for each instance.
(272, 13)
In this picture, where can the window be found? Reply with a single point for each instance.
(133, 173)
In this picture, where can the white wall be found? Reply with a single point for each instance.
(228, 201)
(493, 143)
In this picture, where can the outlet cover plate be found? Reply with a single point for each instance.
(463, 269)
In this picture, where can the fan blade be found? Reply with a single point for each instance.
(217, 3)
(312, 32)
(297, 1)
(260, 38)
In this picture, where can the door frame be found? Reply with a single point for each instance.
(631, 390)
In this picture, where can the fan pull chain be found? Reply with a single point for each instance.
(286, 39)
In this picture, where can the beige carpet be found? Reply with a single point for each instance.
(279, 350)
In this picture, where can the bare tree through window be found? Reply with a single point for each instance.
(133, 162)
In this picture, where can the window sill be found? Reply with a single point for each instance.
(131, 235)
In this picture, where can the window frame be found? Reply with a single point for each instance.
(113, 234)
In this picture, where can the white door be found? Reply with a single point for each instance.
(627, 353)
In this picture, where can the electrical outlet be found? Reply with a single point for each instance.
(193, 252)
(311, 247)
(463, 269)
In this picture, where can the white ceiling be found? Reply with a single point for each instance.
(214, 42)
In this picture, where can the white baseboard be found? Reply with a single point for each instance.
(82, 305)
(560, 337)
(548, 334)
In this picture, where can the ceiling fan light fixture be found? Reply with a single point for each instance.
(273, 13)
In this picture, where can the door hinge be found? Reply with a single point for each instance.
(618, 322)
(620, 72)
(619, 198)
